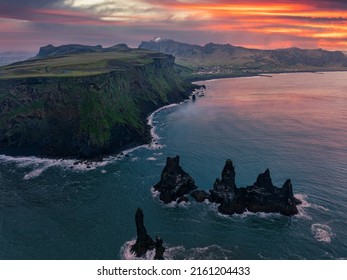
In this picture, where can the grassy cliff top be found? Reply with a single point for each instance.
(79, 64)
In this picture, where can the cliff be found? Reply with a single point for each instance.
(85, 104)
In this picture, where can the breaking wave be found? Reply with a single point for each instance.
(40, 165)
(150, 121)
(322, 232)
(212, 252)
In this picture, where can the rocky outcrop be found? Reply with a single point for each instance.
(200, 195)
(144, 242)
(261, 196)
(224, 188)
(174, 183)
(159, 249)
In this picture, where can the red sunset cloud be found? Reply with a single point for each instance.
(259, 24)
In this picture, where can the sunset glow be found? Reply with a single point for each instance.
(269, 24)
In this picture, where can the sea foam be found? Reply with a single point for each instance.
(322, 232)
(40, 165)
(178, 252)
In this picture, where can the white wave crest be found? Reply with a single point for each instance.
(155, 193)
(155, 137)
(322, 232)
(306, 204)
(127, 254)
(301, 207)
(212, 252)
(178, 252)
(151, 158)
(39, 165)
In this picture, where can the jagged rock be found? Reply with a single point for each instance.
(183, 199)
(174, 182)
(225, 188)
(144, 242)
(159, 249)
(200, 195)
(262, 196)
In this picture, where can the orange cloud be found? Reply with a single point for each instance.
(251, 23)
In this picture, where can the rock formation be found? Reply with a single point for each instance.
(174, 183)
(262, 196)
(200, 195)
(144, 242)
(159, 249)
(225, 188)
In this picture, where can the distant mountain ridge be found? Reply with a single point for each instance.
(11, 57)
(50, 50)
(231, 59)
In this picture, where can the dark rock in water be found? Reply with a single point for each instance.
(264, 182)
(183, 199)
(225, 188)
(159, 249)
(200, 195)
(262, 196)
(193, 97)
(174, 182)
(144, 242)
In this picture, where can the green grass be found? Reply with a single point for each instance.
(77, 65)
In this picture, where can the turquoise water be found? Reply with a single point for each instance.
(294, 124)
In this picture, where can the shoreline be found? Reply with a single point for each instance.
(121, 152)
(262, 74)
(91, 164)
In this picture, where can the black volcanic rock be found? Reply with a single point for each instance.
(144, 242)
(225, 188)
(200, 195)
(262, 196)
(159, 249)
(174, 182)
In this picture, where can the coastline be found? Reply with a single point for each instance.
(120, 153)
(88, 164)
(262, 74)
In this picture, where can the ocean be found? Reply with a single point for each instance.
(293, 124)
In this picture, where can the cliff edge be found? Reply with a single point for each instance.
(84, 104)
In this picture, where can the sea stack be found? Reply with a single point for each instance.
(225, 188)
(261, 196)
(174, 182)
(144, 242)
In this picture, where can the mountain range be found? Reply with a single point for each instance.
(225, 59)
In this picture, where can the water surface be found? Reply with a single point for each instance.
(294, 124)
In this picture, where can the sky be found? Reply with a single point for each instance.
(29, 24)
